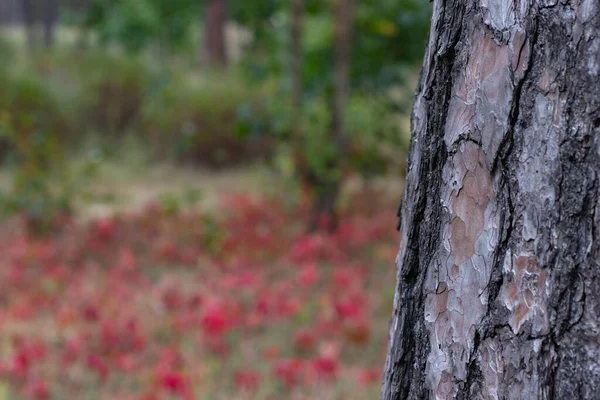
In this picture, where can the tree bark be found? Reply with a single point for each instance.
(498, 278)
(215, 17)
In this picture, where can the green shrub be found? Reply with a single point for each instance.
(373, 138)
(196, 118)
(113, 89)
(33, 130)
(28, 107)
(376, 140)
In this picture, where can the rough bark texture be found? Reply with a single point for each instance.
(215, 50)
(498, 278)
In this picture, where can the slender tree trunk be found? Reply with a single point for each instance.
(498, 275)
(296, 132)
(328, 190)
(50, 16)
(215, 17)
(297, 11)
(29, 22)
(342, 51)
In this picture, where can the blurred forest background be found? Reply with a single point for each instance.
(197, 197)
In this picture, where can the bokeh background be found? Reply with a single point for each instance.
(198, 197)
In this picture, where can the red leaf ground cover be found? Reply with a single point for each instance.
(239, 303)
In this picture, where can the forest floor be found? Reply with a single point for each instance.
(119, 187)
(199, 285)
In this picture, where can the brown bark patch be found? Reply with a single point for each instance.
(469, 203)
(525, 295)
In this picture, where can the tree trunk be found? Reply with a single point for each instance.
(215, 50)
(328, 190)
(9, 12)
(50, 16)
(498, 278)
(29, 21)
(297, 11)
(341, 64)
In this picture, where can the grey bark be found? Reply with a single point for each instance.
(498, 278)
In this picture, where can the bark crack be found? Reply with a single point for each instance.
(507, 141)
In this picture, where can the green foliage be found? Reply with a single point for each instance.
(372, 143)
(195, 118)
(375, 138)
(7, 51)
(32, 127)
(390, 35)
(27, 107)
(113, 91)
(213, 234)
(138, 84)
(255, 15)
(137, 24)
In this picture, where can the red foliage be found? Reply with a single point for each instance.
(172, 381)
(98, 365)
(305, 340)
(38, 390)
(246, 380)
(213, 321)
(369, 376)
(325, 366)
(149, 299)
(288, 371)
(308, 274)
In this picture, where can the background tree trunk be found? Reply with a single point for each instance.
(498, 279)
(10, 12)
(215, 17)
(341, 63)
(297, 11)
(328, 191)
(50, 17)
(29, 18)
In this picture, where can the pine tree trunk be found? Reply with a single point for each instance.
(215, 50)
(498, 278)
